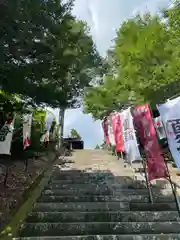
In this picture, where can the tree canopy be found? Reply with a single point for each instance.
(75, 134)
(144, 66)
(47, 55)
(97, 147)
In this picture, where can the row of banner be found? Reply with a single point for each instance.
(134, 127)
(6, 133)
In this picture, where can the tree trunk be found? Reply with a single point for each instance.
(61, 126)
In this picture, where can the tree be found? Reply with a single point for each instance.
(145, 55)
(101, 100)
(75, 134)
(47, 56)
(103, 145)
(145, 65)
(85, 66)
(25, 46)
(45, 52)
(172, 19)
(97, 147)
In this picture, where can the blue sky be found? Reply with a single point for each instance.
(103, 18)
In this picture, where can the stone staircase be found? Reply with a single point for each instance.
(96, 198)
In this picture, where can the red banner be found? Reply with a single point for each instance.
(148, 137)
(118, 135)
(114, 126)
(105, 129)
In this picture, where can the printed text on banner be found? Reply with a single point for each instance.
(148, 137)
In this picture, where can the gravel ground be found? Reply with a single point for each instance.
(18, 181)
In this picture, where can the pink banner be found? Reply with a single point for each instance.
(114, 126)
(117, 130)
(148, 137)
(105, 129)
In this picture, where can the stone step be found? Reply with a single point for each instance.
(114, 179)
(106, 191)
(84, 228)
(79, 181)
(155, 192)
(82, 172)
(103, 198)
(94, 180)
(75, 186)
(94, 185)
(153, 206)
(81, 206)
(103, 185)
(88, 170)
(83, 177)
(108, 237)
(64, 192)
(108, 216)
(133, 184)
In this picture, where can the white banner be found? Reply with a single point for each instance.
(110, 131)
(170, 115)
(129, 136)
(6, 134)
(159, 128)
(48, 120)
(48, 123)
(45, 137)
(27, 122)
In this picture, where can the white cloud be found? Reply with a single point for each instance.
(105, 17)
(151, 6)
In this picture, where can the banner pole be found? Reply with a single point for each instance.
(147, 182)
(173, 189)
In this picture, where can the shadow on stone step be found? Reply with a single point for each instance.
(85, 196)
(104, 183)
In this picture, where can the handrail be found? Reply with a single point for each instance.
(174, 189)
(175, 184)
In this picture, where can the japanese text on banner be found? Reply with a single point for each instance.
(155, 161)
